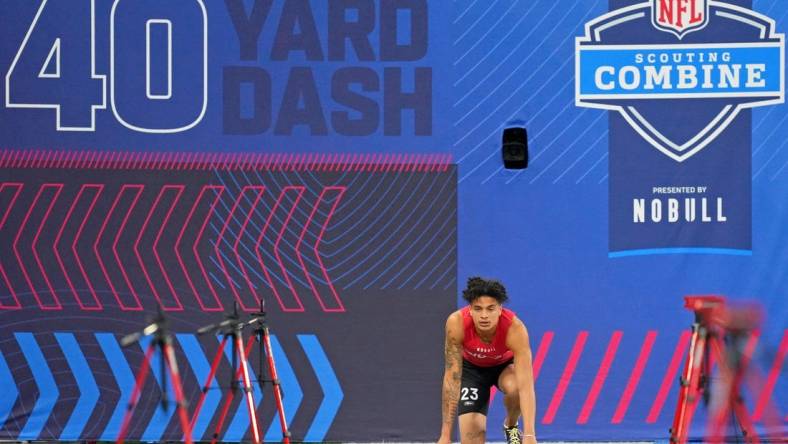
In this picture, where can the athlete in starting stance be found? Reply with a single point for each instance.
(487, 345)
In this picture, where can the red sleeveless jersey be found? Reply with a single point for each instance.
(480, 353)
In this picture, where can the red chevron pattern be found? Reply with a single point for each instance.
(296, 193)
(10, 193)
(128, 196)
(74, 258)
(40, 210)
(336, 194)
(80, 256)
(255, 193)
(172, 192)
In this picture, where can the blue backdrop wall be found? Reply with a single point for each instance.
(342, 161)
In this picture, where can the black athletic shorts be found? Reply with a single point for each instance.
(476, 384)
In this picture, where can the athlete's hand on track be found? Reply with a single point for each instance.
(444, 440)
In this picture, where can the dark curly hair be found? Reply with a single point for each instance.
(478, 287)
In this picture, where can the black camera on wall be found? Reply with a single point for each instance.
(514, 148)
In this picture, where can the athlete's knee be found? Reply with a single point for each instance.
(475, 436)
(509, 386)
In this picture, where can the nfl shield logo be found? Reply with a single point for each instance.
(679, 16)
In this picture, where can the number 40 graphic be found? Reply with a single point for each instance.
(55, 65)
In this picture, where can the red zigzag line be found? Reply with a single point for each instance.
(219, 241)
(18, 187)
(59, 189)
(74, 251)
(29, 281)
(279, 237)
(178, 306)
(118, 235)
(218, 306)
(239, 261)
(155, 247)
(219, 191)
(340, 307)
(259, 241)
(138, 306)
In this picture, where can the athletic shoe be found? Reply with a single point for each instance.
(512, 434)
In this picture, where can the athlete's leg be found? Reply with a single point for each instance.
(474, 401)
(473, 428)
(511, 400)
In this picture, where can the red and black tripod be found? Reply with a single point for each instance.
(262, 334)
(231, 330)
(162, 341)
(718, 335)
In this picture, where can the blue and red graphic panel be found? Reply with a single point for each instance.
(99, 240)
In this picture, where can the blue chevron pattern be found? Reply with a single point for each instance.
(88, 391)
(123, 376)
(332, 392)
(47, 389)
(9, 391)
(156, 426)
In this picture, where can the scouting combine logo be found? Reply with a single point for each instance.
(658, 60)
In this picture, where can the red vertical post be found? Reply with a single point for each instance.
(277, 388)
(248, 389)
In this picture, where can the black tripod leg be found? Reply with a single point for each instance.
(165, 402)
(234, 361)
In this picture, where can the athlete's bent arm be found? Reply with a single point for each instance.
(452, 375)
(517, 341)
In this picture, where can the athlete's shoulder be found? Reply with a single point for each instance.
(517, 327)
(454, 325)
(457, 314)
(517, 331)
(455, 319)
